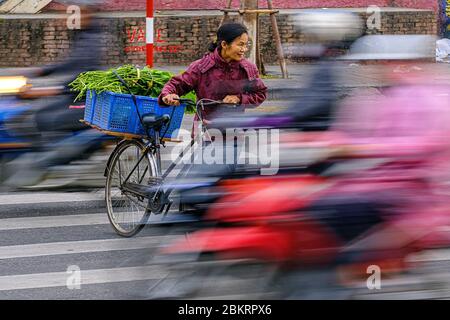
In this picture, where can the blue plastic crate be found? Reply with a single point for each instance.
(150, 105)
(99, 105)
(117, 113)
(90, 106)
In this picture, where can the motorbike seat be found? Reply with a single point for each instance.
(152, 120)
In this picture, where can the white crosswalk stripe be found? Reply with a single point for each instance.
(61, 221)
(36, 250)
(74, 247)
(98, 276)
(16, 282)
(24, 277)
(53, 221)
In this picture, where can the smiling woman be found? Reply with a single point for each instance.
(223, 74)
(232, 42)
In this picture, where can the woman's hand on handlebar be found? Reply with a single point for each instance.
(171, 99)
(232, 100)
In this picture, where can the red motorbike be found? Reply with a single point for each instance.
(302, 236)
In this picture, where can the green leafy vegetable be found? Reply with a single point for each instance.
(142, 82)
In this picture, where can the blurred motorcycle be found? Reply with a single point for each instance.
(311, 111)
(300, 237)
(32, 157)
(310, 236)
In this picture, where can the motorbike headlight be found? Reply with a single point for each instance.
(12, 85)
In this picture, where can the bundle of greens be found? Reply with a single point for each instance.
(142, 82)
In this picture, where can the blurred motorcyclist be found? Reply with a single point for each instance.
(85, 55)
(50, 119)
(327, 32)
(408, 128)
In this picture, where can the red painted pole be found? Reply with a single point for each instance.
(149, 33)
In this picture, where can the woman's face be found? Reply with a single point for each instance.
(236, 50)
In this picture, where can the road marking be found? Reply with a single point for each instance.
(75, 247)
(96, 276)
(38, 198)
(53, 221)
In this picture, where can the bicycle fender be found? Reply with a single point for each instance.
(105, 173)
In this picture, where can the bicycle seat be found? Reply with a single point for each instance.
(152, 120)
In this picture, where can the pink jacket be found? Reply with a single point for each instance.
(408, 121)
(212, 77)
(409, 127)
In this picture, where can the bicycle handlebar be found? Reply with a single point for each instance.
(208, 103)
(186, 101)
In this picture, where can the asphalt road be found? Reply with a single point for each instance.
(43, 236)
(40, 257)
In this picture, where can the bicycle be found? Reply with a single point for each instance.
(134, 178)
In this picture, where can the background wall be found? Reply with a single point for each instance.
(133, 5)
(178, 39)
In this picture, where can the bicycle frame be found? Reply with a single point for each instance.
(154, 146)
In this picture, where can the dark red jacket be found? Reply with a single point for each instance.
(212, 77)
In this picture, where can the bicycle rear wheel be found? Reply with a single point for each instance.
(128, 212)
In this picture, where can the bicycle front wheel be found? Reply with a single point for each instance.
(128, 212)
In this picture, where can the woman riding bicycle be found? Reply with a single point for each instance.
(223, 74)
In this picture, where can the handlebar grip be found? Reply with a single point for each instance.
(185, 101)
(229, 104)
(220, 103)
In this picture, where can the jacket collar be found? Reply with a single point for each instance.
(221, 62)
(213, 58)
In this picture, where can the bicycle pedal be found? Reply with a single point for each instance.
(139, 189)
(169, 205)
(154, 180)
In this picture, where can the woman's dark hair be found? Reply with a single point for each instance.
(228, 32)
